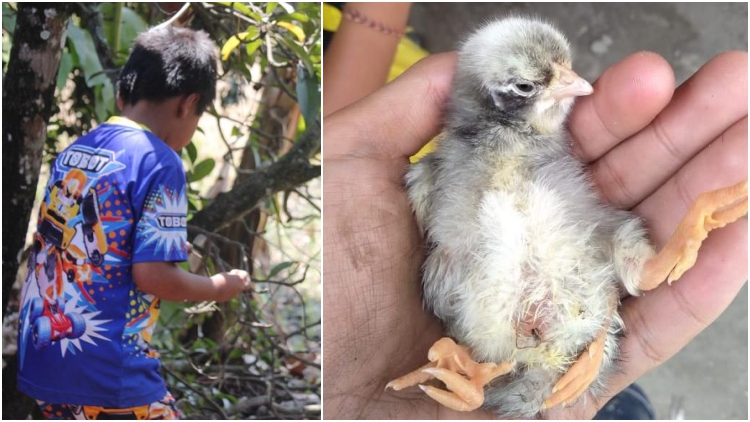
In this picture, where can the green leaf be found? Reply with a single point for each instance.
(241, 8)
(308, 94)
(252, 46)
(201, 170)
(66, 65)
(270, 7)
(88, 60)
(234, 41)
(296, 16)
(279, 268)
(192, 152)
(84, 55)
(9, 18)
(195, 203)
(131, 24)
(7, 44)
(107, 98)
(299, 51)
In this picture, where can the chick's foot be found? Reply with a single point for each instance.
(452, 364)
(579, 376)
(710, 211)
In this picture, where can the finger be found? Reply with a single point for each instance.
(397, 120)
(721, 164)
(626, 98)
(702, 108)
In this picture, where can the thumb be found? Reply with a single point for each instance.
(398, 119)
(242, 274)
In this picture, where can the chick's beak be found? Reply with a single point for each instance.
(569, 84)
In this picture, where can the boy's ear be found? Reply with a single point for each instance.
(188, 105)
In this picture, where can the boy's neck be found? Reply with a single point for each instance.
(159, 118)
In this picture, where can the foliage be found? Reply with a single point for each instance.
(263, 359)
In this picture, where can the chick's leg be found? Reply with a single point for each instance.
(415, 377)
(442, 354)
(711, 210)
(579, 376)
(453, 365)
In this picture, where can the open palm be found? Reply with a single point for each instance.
(650, 148)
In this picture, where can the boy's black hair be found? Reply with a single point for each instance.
(169, 62)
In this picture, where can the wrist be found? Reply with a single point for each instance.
(218, 281)
(385, 18)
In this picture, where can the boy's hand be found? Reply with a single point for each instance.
(229, 285)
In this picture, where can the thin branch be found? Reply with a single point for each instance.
(269, 53)
(258, 131)
(302, 330)
(198, 392)
(289, 354)
(176, 16)
(282, 85)
(91, 20)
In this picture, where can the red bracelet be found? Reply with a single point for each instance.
(355, 16)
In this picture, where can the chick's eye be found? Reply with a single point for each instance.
(524, 88)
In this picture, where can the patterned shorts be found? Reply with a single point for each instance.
(162, 409)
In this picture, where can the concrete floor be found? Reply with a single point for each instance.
(709, 376)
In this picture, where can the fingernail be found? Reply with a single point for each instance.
(430, 371)
(554, 389)
(422, 387)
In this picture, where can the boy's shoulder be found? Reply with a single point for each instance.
(126, 138)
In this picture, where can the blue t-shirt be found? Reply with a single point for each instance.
(115, 197)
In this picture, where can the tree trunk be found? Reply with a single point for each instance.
(29, 89)
(28, 92)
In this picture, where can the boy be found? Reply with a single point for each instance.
(111, 227)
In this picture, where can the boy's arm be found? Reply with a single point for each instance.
(167, 281)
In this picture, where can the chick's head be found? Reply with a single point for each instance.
(517, 72)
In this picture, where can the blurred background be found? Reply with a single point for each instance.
(708, 378)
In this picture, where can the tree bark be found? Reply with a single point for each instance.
(28, 92)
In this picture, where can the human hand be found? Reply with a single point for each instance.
(647, 151)
(229, 285)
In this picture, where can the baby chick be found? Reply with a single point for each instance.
(525, 263)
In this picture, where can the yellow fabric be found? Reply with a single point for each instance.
(124, 121)
(331, 18)
(407, 54)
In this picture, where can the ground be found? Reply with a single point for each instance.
(703, 377)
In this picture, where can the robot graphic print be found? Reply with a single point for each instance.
(68, 253)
